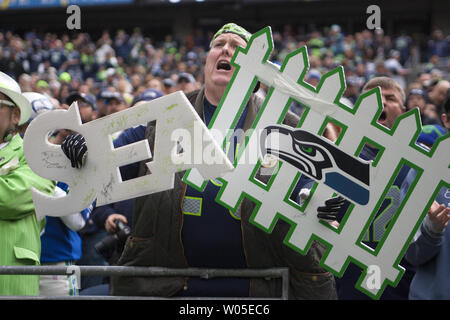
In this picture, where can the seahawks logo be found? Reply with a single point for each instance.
(320, 160)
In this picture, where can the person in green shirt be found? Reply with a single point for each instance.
(19, 229)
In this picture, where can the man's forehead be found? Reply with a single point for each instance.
(231, 37)
(390, 91)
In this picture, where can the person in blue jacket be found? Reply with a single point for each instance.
(429, 251)
(61, 246)
(393, 98)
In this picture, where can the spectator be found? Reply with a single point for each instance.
(64, 91)
(438, 94)
(12, 65)
(432, 63)
(445, 116)
(380, 69)
(122, 45)
(73, 64)
(109, 102)
(203, 249)
(86, 105)
(429, 251)
(42, 86)
(432, 113)
(19, 228)
(156, 84)
(104, 51)
(124, 88)
(25, 82)
(396, 69)
(222, 47)
(403, 44)
(417, 99)
(89, 65)
(313, 77)
(57, 55)
(185, 82)
(393, 98)
(169, 86)
(148, 95)
(352, 90)
(136, 82)
(438, 45)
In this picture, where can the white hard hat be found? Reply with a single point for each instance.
(39, 103)
(11, 88)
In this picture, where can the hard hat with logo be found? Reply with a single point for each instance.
(10, 88)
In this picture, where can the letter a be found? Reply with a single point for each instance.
(374, 20)
(74, 20)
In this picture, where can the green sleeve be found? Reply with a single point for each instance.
(15, 194)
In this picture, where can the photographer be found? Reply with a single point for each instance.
(113, 217)
(111, 229)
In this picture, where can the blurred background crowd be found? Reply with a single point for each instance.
(126, 64)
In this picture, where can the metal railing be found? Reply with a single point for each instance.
(204, 273)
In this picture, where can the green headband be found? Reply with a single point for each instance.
(232, 28)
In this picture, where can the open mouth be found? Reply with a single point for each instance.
(223, 65)
(382, 116)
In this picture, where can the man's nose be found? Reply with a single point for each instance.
(226, 49)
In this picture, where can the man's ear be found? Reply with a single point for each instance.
(15, 116)
(444, 119)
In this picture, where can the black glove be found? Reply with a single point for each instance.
(74, 147)
(330, 210)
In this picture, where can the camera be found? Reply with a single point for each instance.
(115, 241)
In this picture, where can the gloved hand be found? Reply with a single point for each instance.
(74, 147)
(330, 210)
(303, 195)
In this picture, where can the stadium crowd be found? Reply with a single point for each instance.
(130, 63)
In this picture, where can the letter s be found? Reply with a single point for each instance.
(48, 161)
